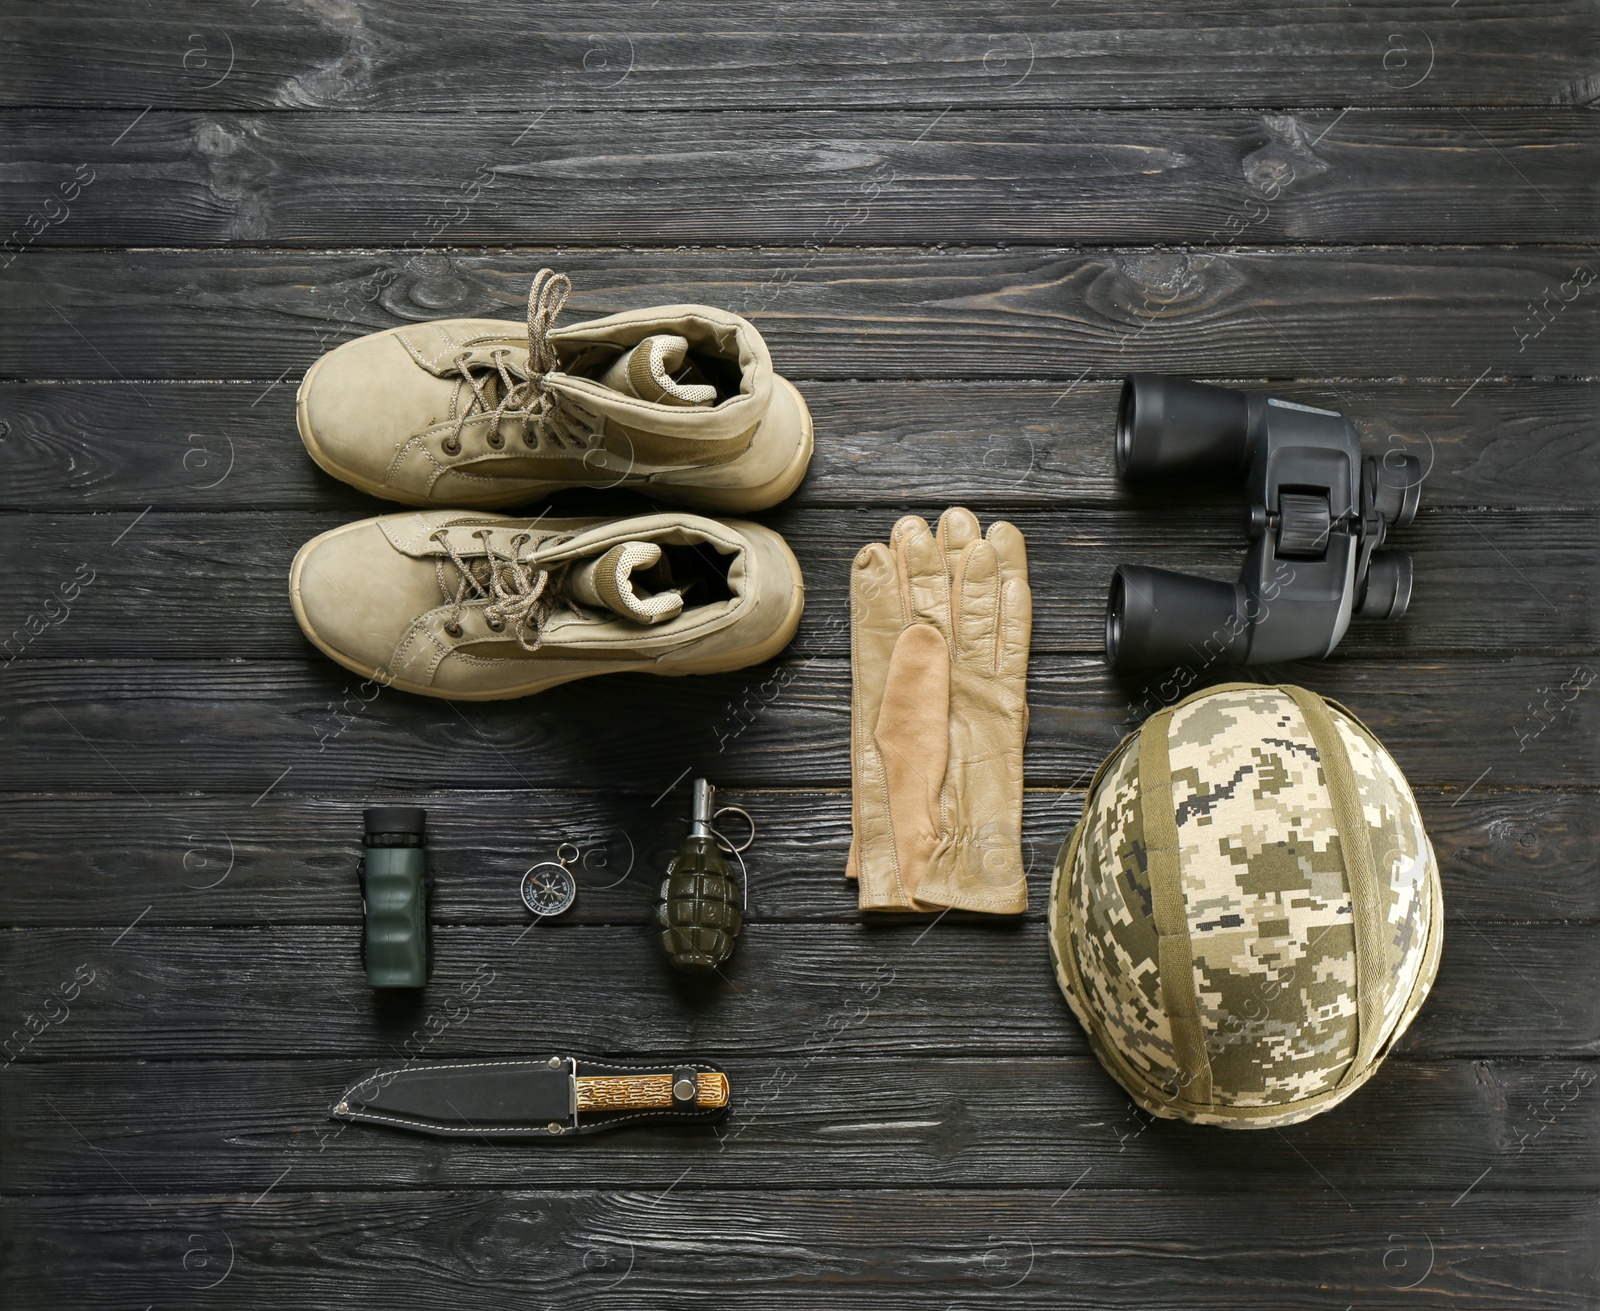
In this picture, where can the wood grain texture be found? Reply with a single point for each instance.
(186, 586)
(290, 859)
(874, 1121)
(175, 726)
(425, 55)
(791, 990)
(888, 1250)
(1319, 315)
(958, 226)
(1037, 176)
(231, 446)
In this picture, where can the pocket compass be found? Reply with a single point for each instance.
(549, 887)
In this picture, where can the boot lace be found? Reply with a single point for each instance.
(520, 594)
(524, 395)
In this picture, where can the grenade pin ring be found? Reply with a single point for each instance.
(549, 887)
(737, 851)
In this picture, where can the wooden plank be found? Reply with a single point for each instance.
(995, 174)
(177, 726)
(1035, 314)
(418, 55)
(173, 583)
(888, 1250)
(228, 446)
(163, 993)
(872, 1122)
(212, 859)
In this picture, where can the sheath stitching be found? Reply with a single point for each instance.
(482, 1065)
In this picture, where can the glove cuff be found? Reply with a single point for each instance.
(967, 874)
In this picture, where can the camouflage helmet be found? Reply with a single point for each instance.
(1246, 952)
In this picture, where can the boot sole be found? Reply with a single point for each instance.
(722, 662)
(736, 500)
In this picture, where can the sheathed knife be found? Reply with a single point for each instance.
(547, 1097)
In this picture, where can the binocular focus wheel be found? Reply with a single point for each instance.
(1304, 523)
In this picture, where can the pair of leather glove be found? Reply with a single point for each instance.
(939, 633)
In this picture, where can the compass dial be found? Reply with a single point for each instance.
(549, 889)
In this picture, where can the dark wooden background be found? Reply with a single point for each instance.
(957, 225)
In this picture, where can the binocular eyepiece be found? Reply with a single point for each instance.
(1318, 517)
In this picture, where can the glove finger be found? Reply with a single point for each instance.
(978, 607)
(957, 527)
(922, 576)
(913, 740)
(874, 625)
(876, 622)
(1016, 630)
(1012, 547)
(875, 618)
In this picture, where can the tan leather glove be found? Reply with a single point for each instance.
(940, 631)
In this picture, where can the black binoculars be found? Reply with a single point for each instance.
(1318, 517)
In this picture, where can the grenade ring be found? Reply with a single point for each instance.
(737, 852)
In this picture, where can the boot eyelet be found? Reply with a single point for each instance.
(496, 441)
(496, 625)
(453, 629)
(452, 446)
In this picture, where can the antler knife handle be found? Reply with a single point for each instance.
(624, 1092)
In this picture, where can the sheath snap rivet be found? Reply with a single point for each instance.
(555, 1062)
(343, 1108)
(556, 1126)
(684, 1090)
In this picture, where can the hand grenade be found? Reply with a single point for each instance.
(699, 910)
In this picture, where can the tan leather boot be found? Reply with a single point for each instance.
(678, 401)
(479, 607)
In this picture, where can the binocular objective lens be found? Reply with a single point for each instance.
(1114, 607)
(1127, 410)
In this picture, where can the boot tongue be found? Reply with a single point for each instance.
(647, 373)
(631, 579)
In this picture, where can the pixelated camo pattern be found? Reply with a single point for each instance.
(1269, 907)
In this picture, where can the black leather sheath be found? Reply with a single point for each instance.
(517, 1099)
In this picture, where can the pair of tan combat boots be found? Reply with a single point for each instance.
(679, 402)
